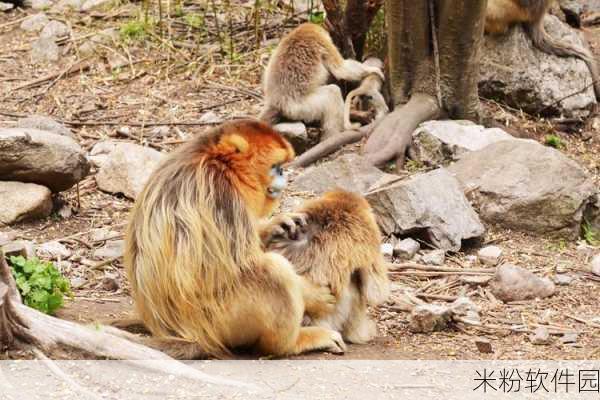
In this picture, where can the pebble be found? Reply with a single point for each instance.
(595, 265)
(484, 345)
(406, 249)
(53, 250)
(490, 255)
(541, 336)
(387, 249)
(568, 338)
(434, 257)
(563, 280)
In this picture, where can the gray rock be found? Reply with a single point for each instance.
(476, 280)
(465, 308)
(568, 338)
(434, 257)
(296, 134)
(23, 248)
(44, 123)
(541, 336)
(67, 5)
(517, 74)
(406, 249)
(490, 255)
(44, 50)
(438, 142)
(426, 318)
(41, 5)
(523, 185)
(124, 167)
(512, 283)
(432, 203)
(6, 6)
(595, 265)
(110, 284)
(45, 158)
(78, 282)
(112, 249)
(563, 280)
(105, 37)
(35, 23)
(54, 30)
(53, 250)
(575, 9)
(387, 250)
(349, 172)
(89, 5)
(591, 214)
(23, 201)
(116, 60)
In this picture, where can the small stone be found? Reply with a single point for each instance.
(44, 50)
(78, 282)
(116, 60)
(490, 255)
(112, 249)
(512, 283)
(595, 265)
(53, 250)
(89, 5)
(110, 284)
(44, 123)
(6, 237)
(426, 318)
(100, 234)
(23, 201)
(296, 134)
(563, 280)
(406, 249)
(35, 23)
(471, 259)
(6, 6)
(41, 5)
(54, 30)
(434, 257)
(210, 117)
(541, 336)
(568, 338)
(160, 131)
(23, 248)
(387, 249)
(585, 249)
(484, 345)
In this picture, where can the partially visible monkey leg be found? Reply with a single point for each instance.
(325, 104)
(352, 70)
(318, 300)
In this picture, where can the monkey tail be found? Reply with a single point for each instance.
(547, 44)
(270, 114)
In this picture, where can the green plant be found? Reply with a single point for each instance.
(40, 283)
(590, 235)
(136, 29)
(194, 20)
(316, 17)
(554, 141)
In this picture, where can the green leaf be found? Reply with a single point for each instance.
(55, 301)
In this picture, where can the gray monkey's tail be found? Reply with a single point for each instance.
(547, 44)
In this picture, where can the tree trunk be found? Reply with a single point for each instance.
(348, 25)
(436, 62)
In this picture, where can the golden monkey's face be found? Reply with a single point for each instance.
(255, 153)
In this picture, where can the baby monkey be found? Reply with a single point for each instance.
(370, 87)
(334, 241)
(297, 79)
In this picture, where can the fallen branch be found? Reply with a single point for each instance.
(79, 66)
(19, 323)
(331, 145)
(421, 267)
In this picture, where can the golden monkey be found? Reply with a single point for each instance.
(335, 241)
(370, 87)
(200, 278)
(296, 79)
(502, 14)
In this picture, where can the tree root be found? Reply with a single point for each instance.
(22, 324)
(331, 145)
(392, 138)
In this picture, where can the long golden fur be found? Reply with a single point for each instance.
(502, 14)
(338, 245)
(194, 256)
(296, 79)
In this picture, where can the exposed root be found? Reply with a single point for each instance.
(392, 138)
(19, 323)
(331, 145)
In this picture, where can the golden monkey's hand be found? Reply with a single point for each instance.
(319, 301)
(287, 226)
(376, 71)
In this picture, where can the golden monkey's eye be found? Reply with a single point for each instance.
(278, 181)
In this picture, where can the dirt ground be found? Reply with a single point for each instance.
(168, 80)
